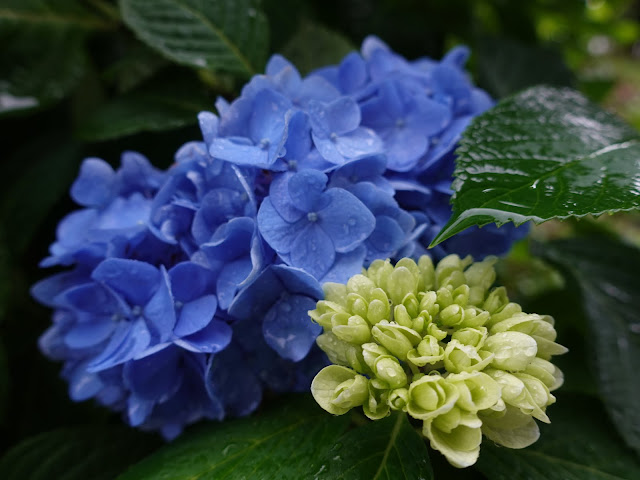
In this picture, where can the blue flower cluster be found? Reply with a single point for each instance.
(189, 289)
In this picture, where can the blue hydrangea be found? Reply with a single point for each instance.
(187, 291)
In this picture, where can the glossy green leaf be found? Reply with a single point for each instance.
(96, 453)
(579, 444)
(43, 55)
(385, 449)
(607, 272)
(150, 108)
(287, 441)
(544, 153)
(314, 46)
(505, 66)
(225, 35)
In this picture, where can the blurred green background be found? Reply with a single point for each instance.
(75, 81)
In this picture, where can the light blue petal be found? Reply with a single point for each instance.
(208, 126)
(129, 339)
(345, 266)
(305, 189)
(90, 333)
(275, 230)
(313, 251)
(358, 143)
(347, 221)
(96, 184)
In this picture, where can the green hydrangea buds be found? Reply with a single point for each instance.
(438, 343)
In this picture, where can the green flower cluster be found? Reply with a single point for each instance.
(438, 344)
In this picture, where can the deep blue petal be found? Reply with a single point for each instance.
(89, 333)
(136, 281)
(213, 338)
(159, 310)
(156, 377)
(277, 232)
(190, 281)
(195, 315)
(129, 340)
(287, 328)
(313, 251)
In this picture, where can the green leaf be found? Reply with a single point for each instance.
(385, 449)
(43, 55)
(226, 35)
(28, 200)
(75, 454)
(314, 46)
(607, 272)
(151, 108)
(579, 444)
(284, 442)
(505, 66)
(544, 153)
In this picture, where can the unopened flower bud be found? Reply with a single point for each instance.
(399, 398)
(465, 358)
(377, 404)
(457, 435)
(357, 331)
(478, 391)
(471, 336)
(496, 300)
(395, 338)
(388, 369)
(429, 351)
(357, 305)
(338, 389)
(431, 396)
(401, 282)
(379, 308)
(452, 315)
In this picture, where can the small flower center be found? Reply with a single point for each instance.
(178, 305)
(312, 217)
(264, 143)
(333, 136)
(136, 311)
(293, 165)
(401, 123)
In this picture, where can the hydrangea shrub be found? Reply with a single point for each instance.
(441, 345)
(187, 290)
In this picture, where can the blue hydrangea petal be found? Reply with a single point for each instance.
(352, 73)
(213, 338)
(229, 379)
(231, 277)
(47, 289)
(338, 117)
(89, 333)
(127, 341)
(122, 214)
(281, 200)
(136, 281)
(209, 124)
(299, 142)
(346, 220)
(313, 251)
(305, 190)
(358, 143)
(457, 56)
(159, 310)
(137, 175)
(90, 297)
(345, 266)
(315, 88)
(155, 377)
(275, 230)
(240, 152)
(287, 329)
(298, 281)
(268, 120)
(82, 384)
(404, 149)
(195, 315)
(138, 410)
(189, 281)
(385, 238)
(96, 184)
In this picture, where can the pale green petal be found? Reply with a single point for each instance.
(512, 351)
(337, 389)
(514, 429)
(461, 446)
(430, 396)
(478, 391)
(357, 331)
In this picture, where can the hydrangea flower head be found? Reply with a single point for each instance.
(188, 290)
(442, 346)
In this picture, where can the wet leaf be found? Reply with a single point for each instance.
(385, 449)
(80, 453)
(31, 75)
(544, 153)
(225, 35)
(505, 66)
(314, 46)
(152, 107)
(288, 441)
(579, 444)
(607, 272)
